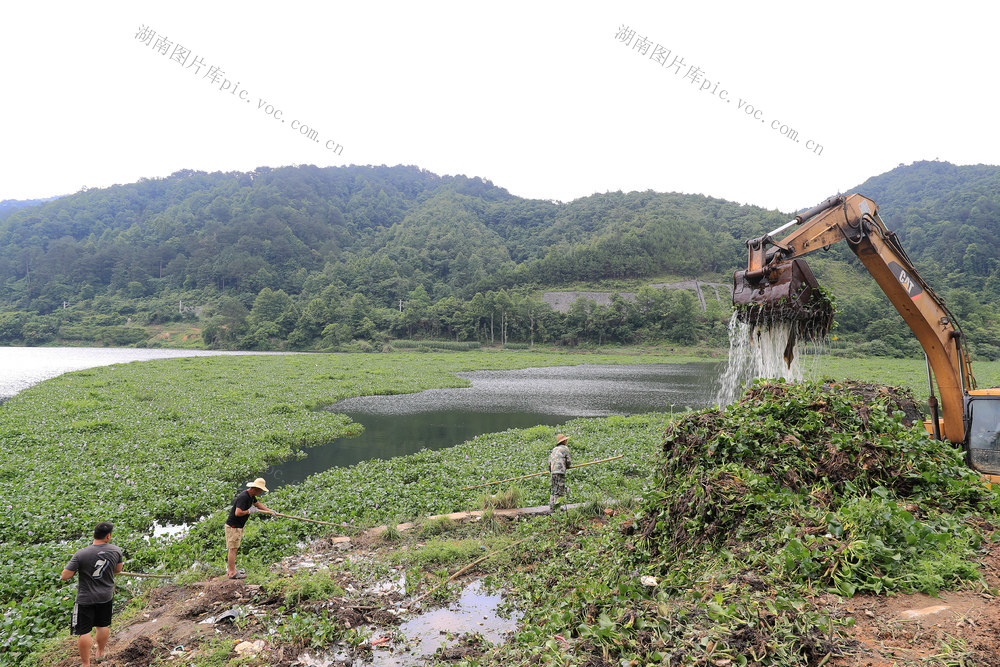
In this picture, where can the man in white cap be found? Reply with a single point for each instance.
(558, 464)
(244, 505)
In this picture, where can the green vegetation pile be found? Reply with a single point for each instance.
(755, 512)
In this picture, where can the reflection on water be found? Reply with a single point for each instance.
(576, 391)
(475, 612)
(500, 400)
(388, 436)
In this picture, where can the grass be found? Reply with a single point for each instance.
(392, 533)
(900, 372)
(445, 552)
(217, 650)
(505, 500)
(436, 526)
(489, 523)
(171, 440)
(303, 586)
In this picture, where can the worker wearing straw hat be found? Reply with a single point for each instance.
(558, 464)
(244, 505)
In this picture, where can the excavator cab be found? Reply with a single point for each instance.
(982, 414)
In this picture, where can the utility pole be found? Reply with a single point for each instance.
(400, 305)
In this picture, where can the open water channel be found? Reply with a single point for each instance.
(21, 367)
(434, 419)
(500, 400)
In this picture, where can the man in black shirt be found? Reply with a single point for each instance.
(97, 565)
(244, 505)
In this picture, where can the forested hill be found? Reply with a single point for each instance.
(383, 234)
(8, 206)
(316, 258)
(379, 230)
(948, 218)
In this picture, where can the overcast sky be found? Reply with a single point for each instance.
(550, 100)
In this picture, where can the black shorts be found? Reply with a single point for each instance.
(86, 617)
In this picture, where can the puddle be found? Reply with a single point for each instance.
(475, 612)
(307, 660)
(389, 586)
(169, 531)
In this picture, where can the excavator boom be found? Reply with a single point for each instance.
(777, 284)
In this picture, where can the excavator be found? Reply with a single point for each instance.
(777, 285)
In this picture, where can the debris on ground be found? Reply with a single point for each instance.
(820, 492)
(811, 524)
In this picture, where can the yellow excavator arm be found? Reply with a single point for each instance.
(772, 264)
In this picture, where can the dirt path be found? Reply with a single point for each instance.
(175, 626)
(179, 622)
(955, 628)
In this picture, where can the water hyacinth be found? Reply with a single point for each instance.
(171, 441)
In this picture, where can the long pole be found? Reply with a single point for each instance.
(302, 518)
(144, 575)
(465, 569)
(536, 474)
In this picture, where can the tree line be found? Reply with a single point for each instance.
(310, 258)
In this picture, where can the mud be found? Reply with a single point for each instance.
(139, 653)
(176, 621)
(960, 628)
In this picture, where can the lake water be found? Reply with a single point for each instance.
(21, 367)
(500, 400)
(434, 419)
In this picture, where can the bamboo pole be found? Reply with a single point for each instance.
(143, 575)
(302, 518)
(536, 474)
(466, 569)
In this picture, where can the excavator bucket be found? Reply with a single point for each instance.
(783, 292)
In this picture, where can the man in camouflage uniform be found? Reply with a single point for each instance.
(558, 464)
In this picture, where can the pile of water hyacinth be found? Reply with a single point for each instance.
(758, 511)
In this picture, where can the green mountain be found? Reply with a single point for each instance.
(8, 206)
(313, 257)
(948, 220)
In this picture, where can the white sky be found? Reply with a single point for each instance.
(538, 97)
